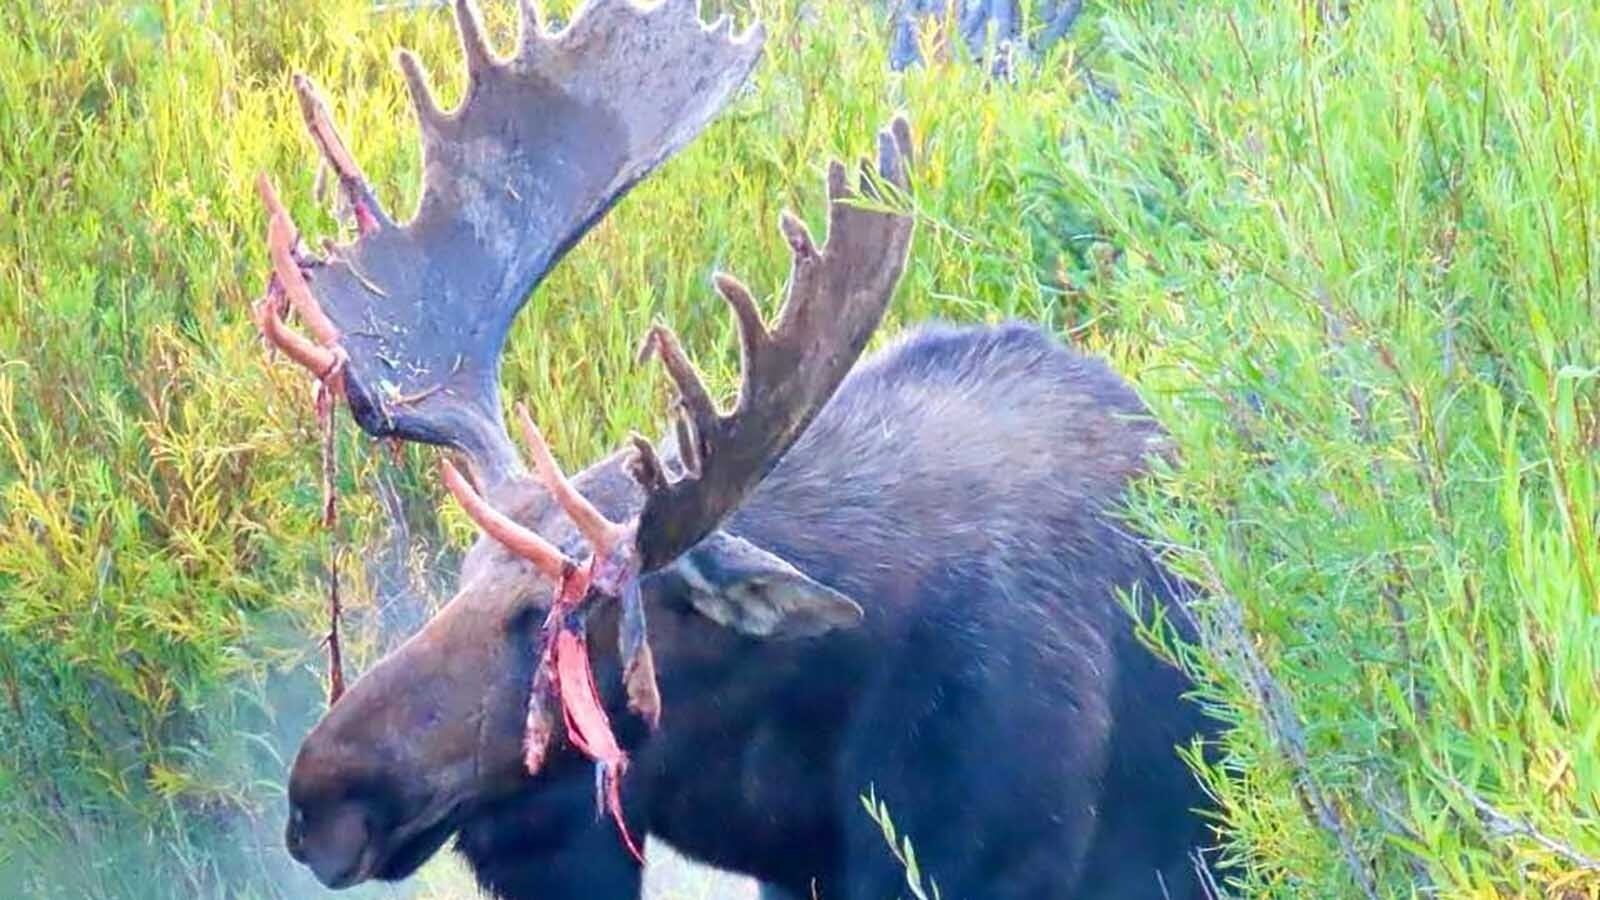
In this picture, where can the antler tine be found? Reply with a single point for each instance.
(323, 358)
(694, 400)
(427, 109)
(601, 533)
(282, 238)
(752, 331)
(369, 215)
(532, 25)
(313, 357)
(545, 556)
(836, 297)
(474, 45)
(894, 151)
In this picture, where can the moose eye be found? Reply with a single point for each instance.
(524, 623)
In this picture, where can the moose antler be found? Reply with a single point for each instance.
(410, 319)
(835, 300)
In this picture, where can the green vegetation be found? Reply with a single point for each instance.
(1347, 254)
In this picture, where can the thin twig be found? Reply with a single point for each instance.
(408, 6)
(1395, 824)
(1209, 888)
(335, 656)
(330, 522)
(1503, 825)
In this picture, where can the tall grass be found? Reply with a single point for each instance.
(1346, 253)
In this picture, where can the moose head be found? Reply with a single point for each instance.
(407, 322)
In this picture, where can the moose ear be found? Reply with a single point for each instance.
(740, 586)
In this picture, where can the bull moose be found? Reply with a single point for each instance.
(903, 576)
